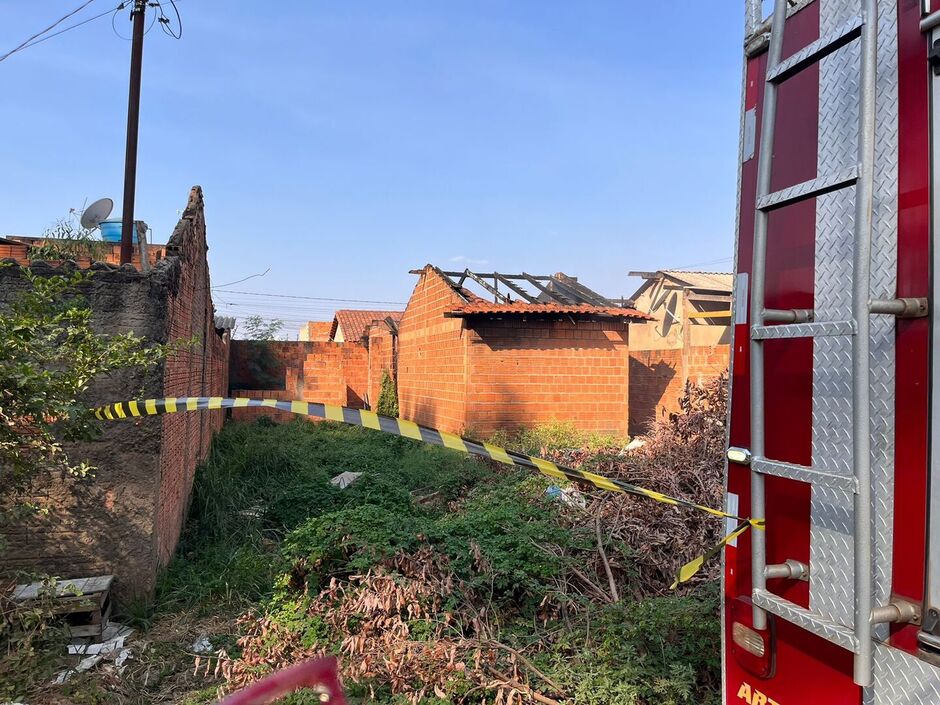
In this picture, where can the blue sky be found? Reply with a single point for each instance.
(342, 144)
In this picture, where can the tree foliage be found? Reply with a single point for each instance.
(257, 328)
(388, 396)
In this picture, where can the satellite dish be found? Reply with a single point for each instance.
(96, 212)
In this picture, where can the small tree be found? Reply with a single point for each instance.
(388, 396)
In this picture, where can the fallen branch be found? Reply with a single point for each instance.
(523, 688)
(527, 663)
(615, 596)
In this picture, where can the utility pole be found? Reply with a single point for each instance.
(133, 121)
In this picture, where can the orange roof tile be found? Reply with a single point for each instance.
(487, 308)
(355, 322)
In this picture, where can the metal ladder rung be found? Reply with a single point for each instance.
(808, 189)
(802, 473)
(822, 47)
(816, 329)
(802, 617)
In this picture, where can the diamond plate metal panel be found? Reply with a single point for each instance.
(836, 633)
(821, 45)
(803, 330)
(831, 561)
(884, 276)
(902, 679)
(831, 548)
(801, 473)
(808, 189)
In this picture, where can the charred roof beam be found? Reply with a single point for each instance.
(497, 295)
(584, 294)
(508, 281)
(553, 295)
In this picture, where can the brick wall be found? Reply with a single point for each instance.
(331, 373)
(479, 375)
(526, 371)
(126, 518)
(316, 331)
(658, 377)
(432, 357)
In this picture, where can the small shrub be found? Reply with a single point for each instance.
(661, 650)
(388, 397)
(505, 540)
(350, 540)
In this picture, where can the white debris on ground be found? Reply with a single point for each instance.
(111, 648)
(634, 444)
(570, 496)
(202, 645)
(345, 479)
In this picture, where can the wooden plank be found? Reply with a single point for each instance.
(63, 588)
(710, 314)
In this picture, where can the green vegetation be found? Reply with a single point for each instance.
(556, 436)
(437, 578)
(266, 482)
(388, 396)
(68, 240)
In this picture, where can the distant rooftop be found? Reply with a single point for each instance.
(701, 282)
(354, 322)
(27, 249)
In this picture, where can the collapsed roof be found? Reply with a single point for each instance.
(530, 294)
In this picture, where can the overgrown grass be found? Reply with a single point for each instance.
(262, 480)
(269, 533)
(556, 435)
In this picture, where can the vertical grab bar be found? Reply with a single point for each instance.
(752, 16)
(758, 275)
(861, 363)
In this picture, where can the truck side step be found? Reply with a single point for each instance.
(802, 473)
(816, 329)
(808, 189)
(812, 53)
(802, 617)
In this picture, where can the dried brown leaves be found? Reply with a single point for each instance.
(391, 630)
(683, 457)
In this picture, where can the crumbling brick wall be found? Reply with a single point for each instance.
(198, 369)
(125, 519)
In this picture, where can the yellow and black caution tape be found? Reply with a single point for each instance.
(409, 429)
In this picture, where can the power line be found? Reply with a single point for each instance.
(165, 23)
(700, 264)
(239, 281)
(309, 298)
(113, 10)
(55, 24)
(163, 19)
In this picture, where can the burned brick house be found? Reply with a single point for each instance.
(526, 350)
(688, 339)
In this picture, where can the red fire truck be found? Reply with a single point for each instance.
(837, 601)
